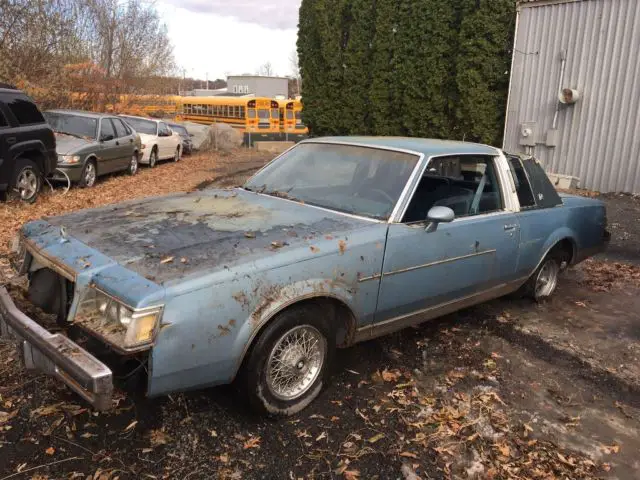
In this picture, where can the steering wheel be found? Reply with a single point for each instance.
(384, 194)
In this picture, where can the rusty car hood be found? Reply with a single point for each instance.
(165, 239)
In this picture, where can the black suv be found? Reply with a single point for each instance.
(27, 145)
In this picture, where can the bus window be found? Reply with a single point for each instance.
(275, 113)
(289, 115)
(263, 113)
(252, 113)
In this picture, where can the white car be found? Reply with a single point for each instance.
(159, 142)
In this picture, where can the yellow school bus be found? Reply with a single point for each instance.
(291, 125)
(255, 118)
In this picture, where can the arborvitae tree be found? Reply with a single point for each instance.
(425, 43)
(430, 68)
(355, 105)
(483, 65)
(384, 92)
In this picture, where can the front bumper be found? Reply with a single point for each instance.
(74, 172)
(56, 355)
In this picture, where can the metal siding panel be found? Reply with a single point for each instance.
(599, 137)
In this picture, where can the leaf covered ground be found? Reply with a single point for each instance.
(506, 390)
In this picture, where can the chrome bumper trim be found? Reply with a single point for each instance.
(56, 355)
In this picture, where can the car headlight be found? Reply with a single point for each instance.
(116, 322)
(68, 159)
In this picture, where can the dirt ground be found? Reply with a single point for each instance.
(508, 389)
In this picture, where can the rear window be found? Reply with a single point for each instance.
(25, 111)
(119, 126)
(533, 187)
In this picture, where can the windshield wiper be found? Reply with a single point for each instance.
(70, 134)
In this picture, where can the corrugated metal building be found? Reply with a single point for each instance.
(587, 53)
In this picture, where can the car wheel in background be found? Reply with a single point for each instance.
(89, 174)
(177, 156)
(27, 180)
(133, 165)
(153, 158)
(289, 363)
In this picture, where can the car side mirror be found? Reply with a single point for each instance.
(106, 138)
(438, 215)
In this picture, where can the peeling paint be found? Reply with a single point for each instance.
(342, 245)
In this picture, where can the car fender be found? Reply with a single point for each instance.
(556, 237)
(275, 299)
(18, 149)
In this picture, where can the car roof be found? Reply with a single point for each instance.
(141, 118)
(80, 113)
(426, 146)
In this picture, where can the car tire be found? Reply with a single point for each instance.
(153, 157)
(27, 180)
(282, 352)
(544, 281)
(132, 169)
(177, 155)
(89, 174)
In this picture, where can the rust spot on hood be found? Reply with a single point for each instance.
(342, 245)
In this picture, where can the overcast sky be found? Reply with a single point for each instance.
(221, 37)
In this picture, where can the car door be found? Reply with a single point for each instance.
(165, 142)
(109, 154)
(431, 273)
(124, 144)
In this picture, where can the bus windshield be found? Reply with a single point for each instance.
(347, 178)
(263, 113)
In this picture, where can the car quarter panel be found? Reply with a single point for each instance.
(207, 331)
(580, 220)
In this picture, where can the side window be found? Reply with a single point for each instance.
(523, 189)
(106, 130)
(119, 127)
(127, 128)
(163, 130)
(3, 121)
(467, 184)
(25, 111)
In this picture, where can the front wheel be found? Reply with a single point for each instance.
(290, 362)
(153, 158)
(177, 156)
(89, 175)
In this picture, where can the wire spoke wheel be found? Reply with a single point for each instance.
(547, 279)
(133, 166)
(295, 362)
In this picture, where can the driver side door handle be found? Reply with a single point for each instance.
(510, 228)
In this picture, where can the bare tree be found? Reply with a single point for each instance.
(266, 70)
(295, 70)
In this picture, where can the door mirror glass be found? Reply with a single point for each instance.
(439, 215)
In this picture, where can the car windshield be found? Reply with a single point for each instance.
(141, 125)
(178, 129)
(352, 179)
(75, 125)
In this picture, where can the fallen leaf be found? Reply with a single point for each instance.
(390, 376)
(213, 433)
(249, 235)
(342, 246)
(158, 437)
(314, 249)
(131, 426)
(495, 355)
(504, 450)
(351, 474)
(252, 442)
(50, 451)
(322, 436)
(408, 455)
(88, 435)
(490, 364)
(302, 434)
(376, 438)
(224, 458)
(609, 449)
(44, 411)
(276, 245)
(184, 260)
(167, 260)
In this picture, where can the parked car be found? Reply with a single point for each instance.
(159, 142)
(92, 144)
(27, 145)
(336, 241)
(187, 142)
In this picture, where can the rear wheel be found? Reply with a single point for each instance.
(153, 158)
(290, 362)
(89, 174)
(133, 164)
(176, 156)
(27, 180)
(544, 281)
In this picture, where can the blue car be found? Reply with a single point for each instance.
(336, 241)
